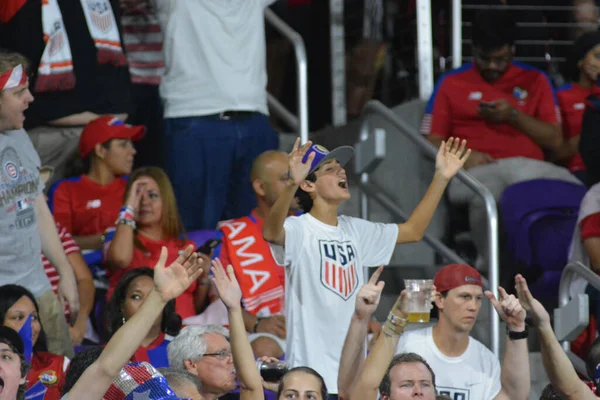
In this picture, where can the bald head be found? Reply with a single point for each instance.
(269, 177)
(265, 161)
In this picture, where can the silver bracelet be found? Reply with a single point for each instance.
(125, 221)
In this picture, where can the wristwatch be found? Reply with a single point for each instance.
(518, 335)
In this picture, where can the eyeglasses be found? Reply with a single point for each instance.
(221, 355)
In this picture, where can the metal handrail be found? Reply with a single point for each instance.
(299, 123)
(376, 107)
(571, 271)
(377, 193)
(456, 33)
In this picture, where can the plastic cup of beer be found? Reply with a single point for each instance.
(419, 299)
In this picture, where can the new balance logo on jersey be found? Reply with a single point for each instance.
(338, 267)
(93, 204)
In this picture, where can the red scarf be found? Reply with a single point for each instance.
(254, 266)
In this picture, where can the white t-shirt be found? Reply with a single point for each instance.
(215, 56)
(475, 375)
(324, 270)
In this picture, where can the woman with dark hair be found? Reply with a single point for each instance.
(148, 221)
(129, 295)
(583, 67)
(47, 370)
(302, 382)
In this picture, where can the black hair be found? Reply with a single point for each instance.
(306, 370)
(171, 321)
(87, 160)
(9, 295)
(304, 200)
(550, 393)
(403, 358)
(592, 361)
(78, 365)
(493, 29)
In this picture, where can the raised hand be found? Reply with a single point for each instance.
(173, 280)
(227, 285)
(368, 296)
(298, 169)
(539, 315)
(451, 157)
(136, 192)
(509, 308)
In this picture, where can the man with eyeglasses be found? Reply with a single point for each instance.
(205, 351)
(507, 112)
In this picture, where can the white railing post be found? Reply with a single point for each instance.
(456, 33)
(424, 49)
(338, 62)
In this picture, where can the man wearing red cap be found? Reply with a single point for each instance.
(89, 204)
(465, 368)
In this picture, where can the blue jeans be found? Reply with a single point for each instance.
(208, 161)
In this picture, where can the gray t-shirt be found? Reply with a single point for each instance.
(20, 245)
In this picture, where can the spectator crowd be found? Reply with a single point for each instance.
(155, 243)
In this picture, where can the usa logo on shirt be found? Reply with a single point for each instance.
(338, 267)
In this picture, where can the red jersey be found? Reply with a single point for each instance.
(571, 98)
(46, 377)
(155, 353)
(85, 207)
(452, 109)
(184, 304)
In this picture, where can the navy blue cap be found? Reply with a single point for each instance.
(341, 154)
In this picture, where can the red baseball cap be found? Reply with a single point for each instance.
(454, 275)
(103, 129)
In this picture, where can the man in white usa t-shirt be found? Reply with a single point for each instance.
(465, 369)
(325, 254)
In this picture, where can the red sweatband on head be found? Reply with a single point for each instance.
(13, 78)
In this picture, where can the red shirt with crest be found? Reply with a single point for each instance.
(452, 109)
(46, 377)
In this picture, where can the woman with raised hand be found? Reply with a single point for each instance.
(169, 282)
(148, 221)
(243, 358)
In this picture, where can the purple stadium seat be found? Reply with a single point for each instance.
(538, 218)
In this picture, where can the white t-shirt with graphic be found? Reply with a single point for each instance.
(475, 375)
(324, 270)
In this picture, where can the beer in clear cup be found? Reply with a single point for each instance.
(419, 293)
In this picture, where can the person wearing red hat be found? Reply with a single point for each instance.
(89, 204)
(465, 367)
(325, 254)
